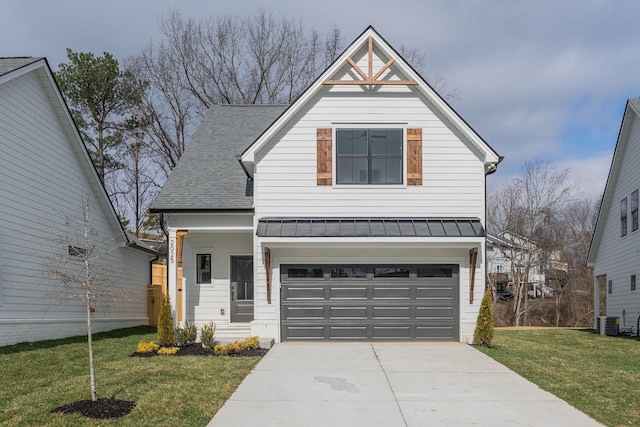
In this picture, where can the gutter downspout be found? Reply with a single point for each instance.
(166, 249)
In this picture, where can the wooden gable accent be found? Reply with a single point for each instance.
(267, 267)
(473, 259)
(179, 238)
(414, 156)
(370, 79)
(324, 165)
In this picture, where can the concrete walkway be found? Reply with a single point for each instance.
(389, 384)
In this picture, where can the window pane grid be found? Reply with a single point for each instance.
(369, 156)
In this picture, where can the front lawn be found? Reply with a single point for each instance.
(597, 374)
(168, 390)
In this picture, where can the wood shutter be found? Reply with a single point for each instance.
(324, 156)
(414, 156)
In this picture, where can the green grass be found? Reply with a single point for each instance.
(597, 374)
(168, 390)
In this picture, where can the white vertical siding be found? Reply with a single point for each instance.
(619, 257)
(42, 183)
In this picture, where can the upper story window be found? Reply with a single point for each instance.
(623, 217)
(634, 210)
(369, 156)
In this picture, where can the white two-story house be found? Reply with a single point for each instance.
(355, 213)
(615, 247)
(46, 175)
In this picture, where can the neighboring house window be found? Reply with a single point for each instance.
(203, 268)
(623, 217)
(634, 210)
(77, 251)
(633, 282)
(610, 290)
(499, 268)
(369, 156)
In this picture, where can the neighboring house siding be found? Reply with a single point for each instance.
(43, 176)
(452, 175)
(618, 256)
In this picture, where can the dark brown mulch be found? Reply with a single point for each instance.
(101, 408)
(199, 350)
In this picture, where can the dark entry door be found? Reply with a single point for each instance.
(241, 289)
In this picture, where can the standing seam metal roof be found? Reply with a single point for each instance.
(370, 227)
(208, 176)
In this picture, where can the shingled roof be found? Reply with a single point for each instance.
(208, 177)
(10, 64)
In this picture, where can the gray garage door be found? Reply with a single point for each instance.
(370, 302)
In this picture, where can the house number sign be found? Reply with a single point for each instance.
(172, 251)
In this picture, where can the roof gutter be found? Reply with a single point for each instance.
(244, 168)
(198, 210)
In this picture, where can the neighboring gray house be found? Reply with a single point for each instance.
(615, 247)
(355, 213)
(45, 171)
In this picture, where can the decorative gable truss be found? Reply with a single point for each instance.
(369, 79)
(379, 66)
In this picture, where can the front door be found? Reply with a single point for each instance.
(241, 289)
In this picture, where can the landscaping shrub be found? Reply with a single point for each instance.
(237, 346)
(147, 347)
(484, 326)
(206, 334)
(168, 351)
(166, 326)
(186, 335)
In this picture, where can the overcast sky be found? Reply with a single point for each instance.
(543, 79)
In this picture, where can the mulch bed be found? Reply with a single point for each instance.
(199, 350)
(101, 408)
(115, 408)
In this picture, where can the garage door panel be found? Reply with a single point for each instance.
(346, 307)
(435, 313)
(392, 292)
(392, 312)
(348, 332)
(435, 292)
(391, 332)
(307, 312)
(435, 332)
(348, 312)
(304, 332)
(348, 292)
(303, 293)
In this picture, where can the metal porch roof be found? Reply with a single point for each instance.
(370, 227)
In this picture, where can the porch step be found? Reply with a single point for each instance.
(225, 334)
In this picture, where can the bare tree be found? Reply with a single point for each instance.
(530, 209)
(81, 266)
(137, 184)
(257, 59)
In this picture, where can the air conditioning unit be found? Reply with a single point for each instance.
(608, 325)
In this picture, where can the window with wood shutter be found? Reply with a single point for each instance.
(324, 165)
(414, 156)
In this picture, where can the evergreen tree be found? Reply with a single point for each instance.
(166, 327)
(484, 326)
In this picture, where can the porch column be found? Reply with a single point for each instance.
(172, 271)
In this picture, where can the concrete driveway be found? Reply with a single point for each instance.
(389, 384)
